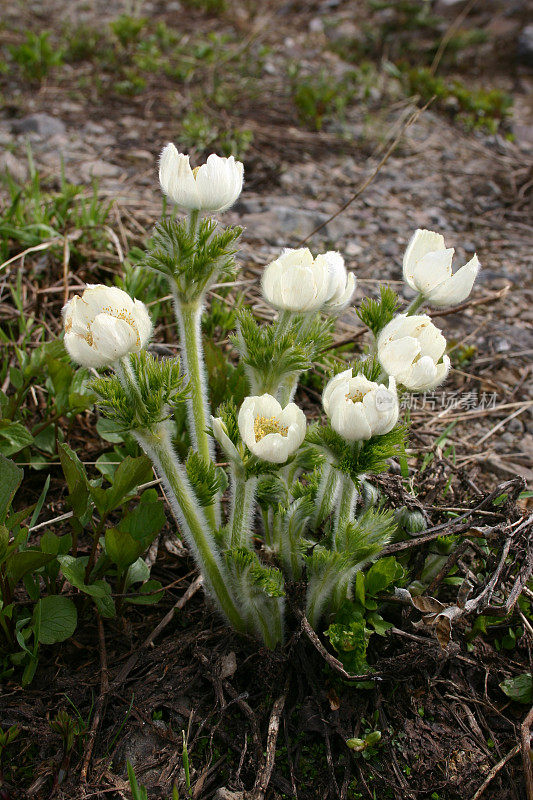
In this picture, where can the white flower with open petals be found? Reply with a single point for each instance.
(412, 350)
(103, 325)
(213, 187)
(359, 408)
(427, 268)
(299, 283)
(271, 432)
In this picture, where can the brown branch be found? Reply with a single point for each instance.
(390, 149)
(333, 662)
(104, 689)
(525, 744)
(265, 773)
(494, 771)
(178, 605)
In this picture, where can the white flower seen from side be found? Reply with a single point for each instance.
(411, 349)
(299, 283)
(271, 432)
(427, 268)
(359, 408)
(212, 187)
(221, 435)
(103, 325)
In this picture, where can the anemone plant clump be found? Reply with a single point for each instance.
(299, 507)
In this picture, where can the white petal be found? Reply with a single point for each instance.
(82, 353)
(114, 338)
(457, 288)
(397, 356)
(221, 435)
(337, 276)
(340, 302)
(143, 321)
(177, 179)
(331, 386)
(299, 289)
(273, 448)
(271, 283)
(349, 420)
(432, 342)
(433, 269)
(302, 256)
(421, 242)
(219, 182)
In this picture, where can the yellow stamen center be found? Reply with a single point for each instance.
(356, 397)
(265, 425)
(123, 313)
(195, 172)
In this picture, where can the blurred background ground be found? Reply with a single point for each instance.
(310, 95)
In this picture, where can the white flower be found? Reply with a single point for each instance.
(103, 325)
(220, 433)
(427, 268)
(214, 186)
(411, 349)
(298, 282)
(359, 408)
(271, 432)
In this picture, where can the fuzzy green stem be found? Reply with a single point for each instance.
(326, 494)
(344, 513)
(415, 304)
(189, 317)
(242, 505)
(157, 444)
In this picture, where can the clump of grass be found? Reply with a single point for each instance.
(36, 56)
(484, 109)
(319, 97)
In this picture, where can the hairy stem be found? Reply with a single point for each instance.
(157, 445)
(415, 304)
(344, 512)
(326, 494)
(242, 506)
(189, 317)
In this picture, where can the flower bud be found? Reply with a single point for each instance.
(359, 408)
(220, 433)
(271, 432)
(299, 283)
(103, 325)
(412, 350)
(213, 187)
(427, 268)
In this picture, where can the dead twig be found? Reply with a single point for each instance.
(104, 689)
(265, 773)
(525, 745)
(178, 605)
(333, 662)
(494, 771)
(389, 151)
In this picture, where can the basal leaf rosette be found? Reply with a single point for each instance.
(358, 408)
(411, 349)
(299, 283)
(104, 325)
(212, 187)
(427, 268)
(270, 432)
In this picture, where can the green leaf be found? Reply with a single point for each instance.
(122, 548)
(381, 574)
(76, 478)
(18, 564)
(10, 480)
(61, 374)
(15, 437)
(74, 571)
(519, 688)
(4, 542)
(58, 619)
(131, 473)
(146, 519)
(149, 593)
(139, 572)
(104, 602)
